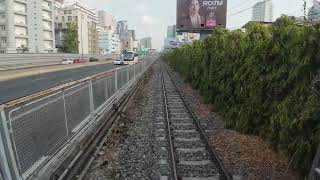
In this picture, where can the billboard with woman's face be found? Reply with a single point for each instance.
(201, 14)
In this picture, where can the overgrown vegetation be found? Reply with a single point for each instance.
(263, 81)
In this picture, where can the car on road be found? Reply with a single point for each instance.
(118, 62)
(140, 58)
(67, 61)
(93, 59)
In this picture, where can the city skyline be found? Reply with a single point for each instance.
(151, 21)
(156, 16)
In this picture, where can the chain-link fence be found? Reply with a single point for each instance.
(35, 128)
(315, 169)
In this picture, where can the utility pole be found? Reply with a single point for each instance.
(305, 9)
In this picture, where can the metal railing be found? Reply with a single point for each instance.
(34, 128)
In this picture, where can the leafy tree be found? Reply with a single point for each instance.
(70, 43)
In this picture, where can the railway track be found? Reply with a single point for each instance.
(191, 157)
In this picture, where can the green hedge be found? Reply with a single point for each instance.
(263, 81)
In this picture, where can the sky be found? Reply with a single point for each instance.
(151, 17)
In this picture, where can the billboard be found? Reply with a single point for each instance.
(193, 15)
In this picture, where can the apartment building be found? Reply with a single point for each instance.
(122, 29)
(26, 26)
(109, 43)
(146, 43)
(263, 11)
(107, 21)
(86, 21)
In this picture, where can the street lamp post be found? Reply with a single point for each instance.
(81, 38)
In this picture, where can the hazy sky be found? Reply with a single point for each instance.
(151, 17)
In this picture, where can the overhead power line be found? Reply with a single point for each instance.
(240, 4)
(246, 9)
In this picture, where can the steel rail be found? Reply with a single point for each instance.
(173, 159)
(223, 173)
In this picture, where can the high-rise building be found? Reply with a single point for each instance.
(104, 42)
(146, 43)
(132, 34)
(114, 46)
(263, 11)
(107, 21)
(87, 24)
(26, 26)
(314, 12)
(171, 32)
(122, 29)
(109, 43)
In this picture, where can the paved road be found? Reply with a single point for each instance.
(16, 88)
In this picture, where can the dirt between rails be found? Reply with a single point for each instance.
(247, 156)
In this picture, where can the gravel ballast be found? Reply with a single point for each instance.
(136, 148)
(133, 150)
(245, 156)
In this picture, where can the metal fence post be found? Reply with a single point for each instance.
(107, 79)
(8, 162)
(134, 71)
(116, 80)
(128, 73)
(4, 167)
(91, 98)
(65, 114)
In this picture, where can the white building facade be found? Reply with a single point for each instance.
(263, 11)
(109, 43)
(114, 45)
(107, 21)
(26, 26)
(86, 21)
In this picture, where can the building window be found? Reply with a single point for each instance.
(75, 18)
(1, 52)
(65, 11)
(69, 18)
(2, 3)
(3, 27)
(4, 40)
(69, 12)
(63, 18)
